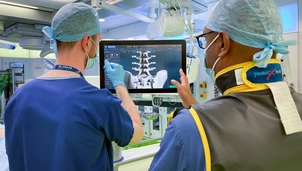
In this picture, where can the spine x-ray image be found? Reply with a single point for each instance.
(144, 79)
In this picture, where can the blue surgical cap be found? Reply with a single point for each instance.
(71, 23)
(253, 23)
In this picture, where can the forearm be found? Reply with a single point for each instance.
(130, 107)
(187, 101)
(1, 132)
(193, 101)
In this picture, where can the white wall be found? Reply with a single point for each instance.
(28, 71)
(294, 60)
(19, 52)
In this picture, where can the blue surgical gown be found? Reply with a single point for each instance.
(181, 147)
(64, 124)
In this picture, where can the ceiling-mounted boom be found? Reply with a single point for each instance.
(99, 4)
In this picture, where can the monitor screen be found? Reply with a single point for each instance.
(149, 65)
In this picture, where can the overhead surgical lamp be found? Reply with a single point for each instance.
(169, 24)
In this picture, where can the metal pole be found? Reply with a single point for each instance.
(13, 80)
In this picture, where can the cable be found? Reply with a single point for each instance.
(172, 104)
(137, 96)
(49, 62)
(156, 101)
(190, 30)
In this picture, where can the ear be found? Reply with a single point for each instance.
(85, 43)
(226, 44)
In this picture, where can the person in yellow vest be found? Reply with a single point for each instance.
(256, 123)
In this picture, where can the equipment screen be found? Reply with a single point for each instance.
(149, 65)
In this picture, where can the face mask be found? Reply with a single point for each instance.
(210, 71)
(92, 61)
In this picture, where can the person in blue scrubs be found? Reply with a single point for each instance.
(60, 122)
(240, 130)
(181, 147)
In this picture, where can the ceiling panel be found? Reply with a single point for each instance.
(42, 3)
(117, 21)
(8, 21)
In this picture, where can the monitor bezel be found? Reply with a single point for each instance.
(104, 43)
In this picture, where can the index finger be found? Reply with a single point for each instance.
(106, 62)
(181, 72)
(183, 77)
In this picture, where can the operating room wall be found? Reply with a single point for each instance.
(290, 14)
(292, 21)
(33, 64)
(33, 67)
(294, 60)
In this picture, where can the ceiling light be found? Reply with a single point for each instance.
(112, 2)
(16, 4)
(102, 20)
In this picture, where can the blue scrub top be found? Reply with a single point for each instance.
(64, 124)
(181, 147)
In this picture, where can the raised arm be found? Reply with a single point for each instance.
(116, 75)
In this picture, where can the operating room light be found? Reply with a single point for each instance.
(102, 20)
(112, 2)
(16, 4)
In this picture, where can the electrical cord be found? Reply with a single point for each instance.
(188, 26)
(190, 30)
(156, 101)
(172, 104)
(137, 98)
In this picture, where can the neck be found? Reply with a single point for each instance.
(73, 58)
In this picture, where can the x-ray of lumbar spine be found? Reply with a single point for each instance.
(144, 79)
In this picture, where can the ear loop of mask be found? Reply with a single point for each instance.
(97, 48)
(212, 42)
(88, 57)
(215, 63)
(93, 44)
(207, 49)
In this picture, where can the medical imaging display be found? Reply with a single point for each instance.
(147, 66)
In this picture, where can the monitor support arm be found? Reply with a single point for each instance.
(99, 4)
